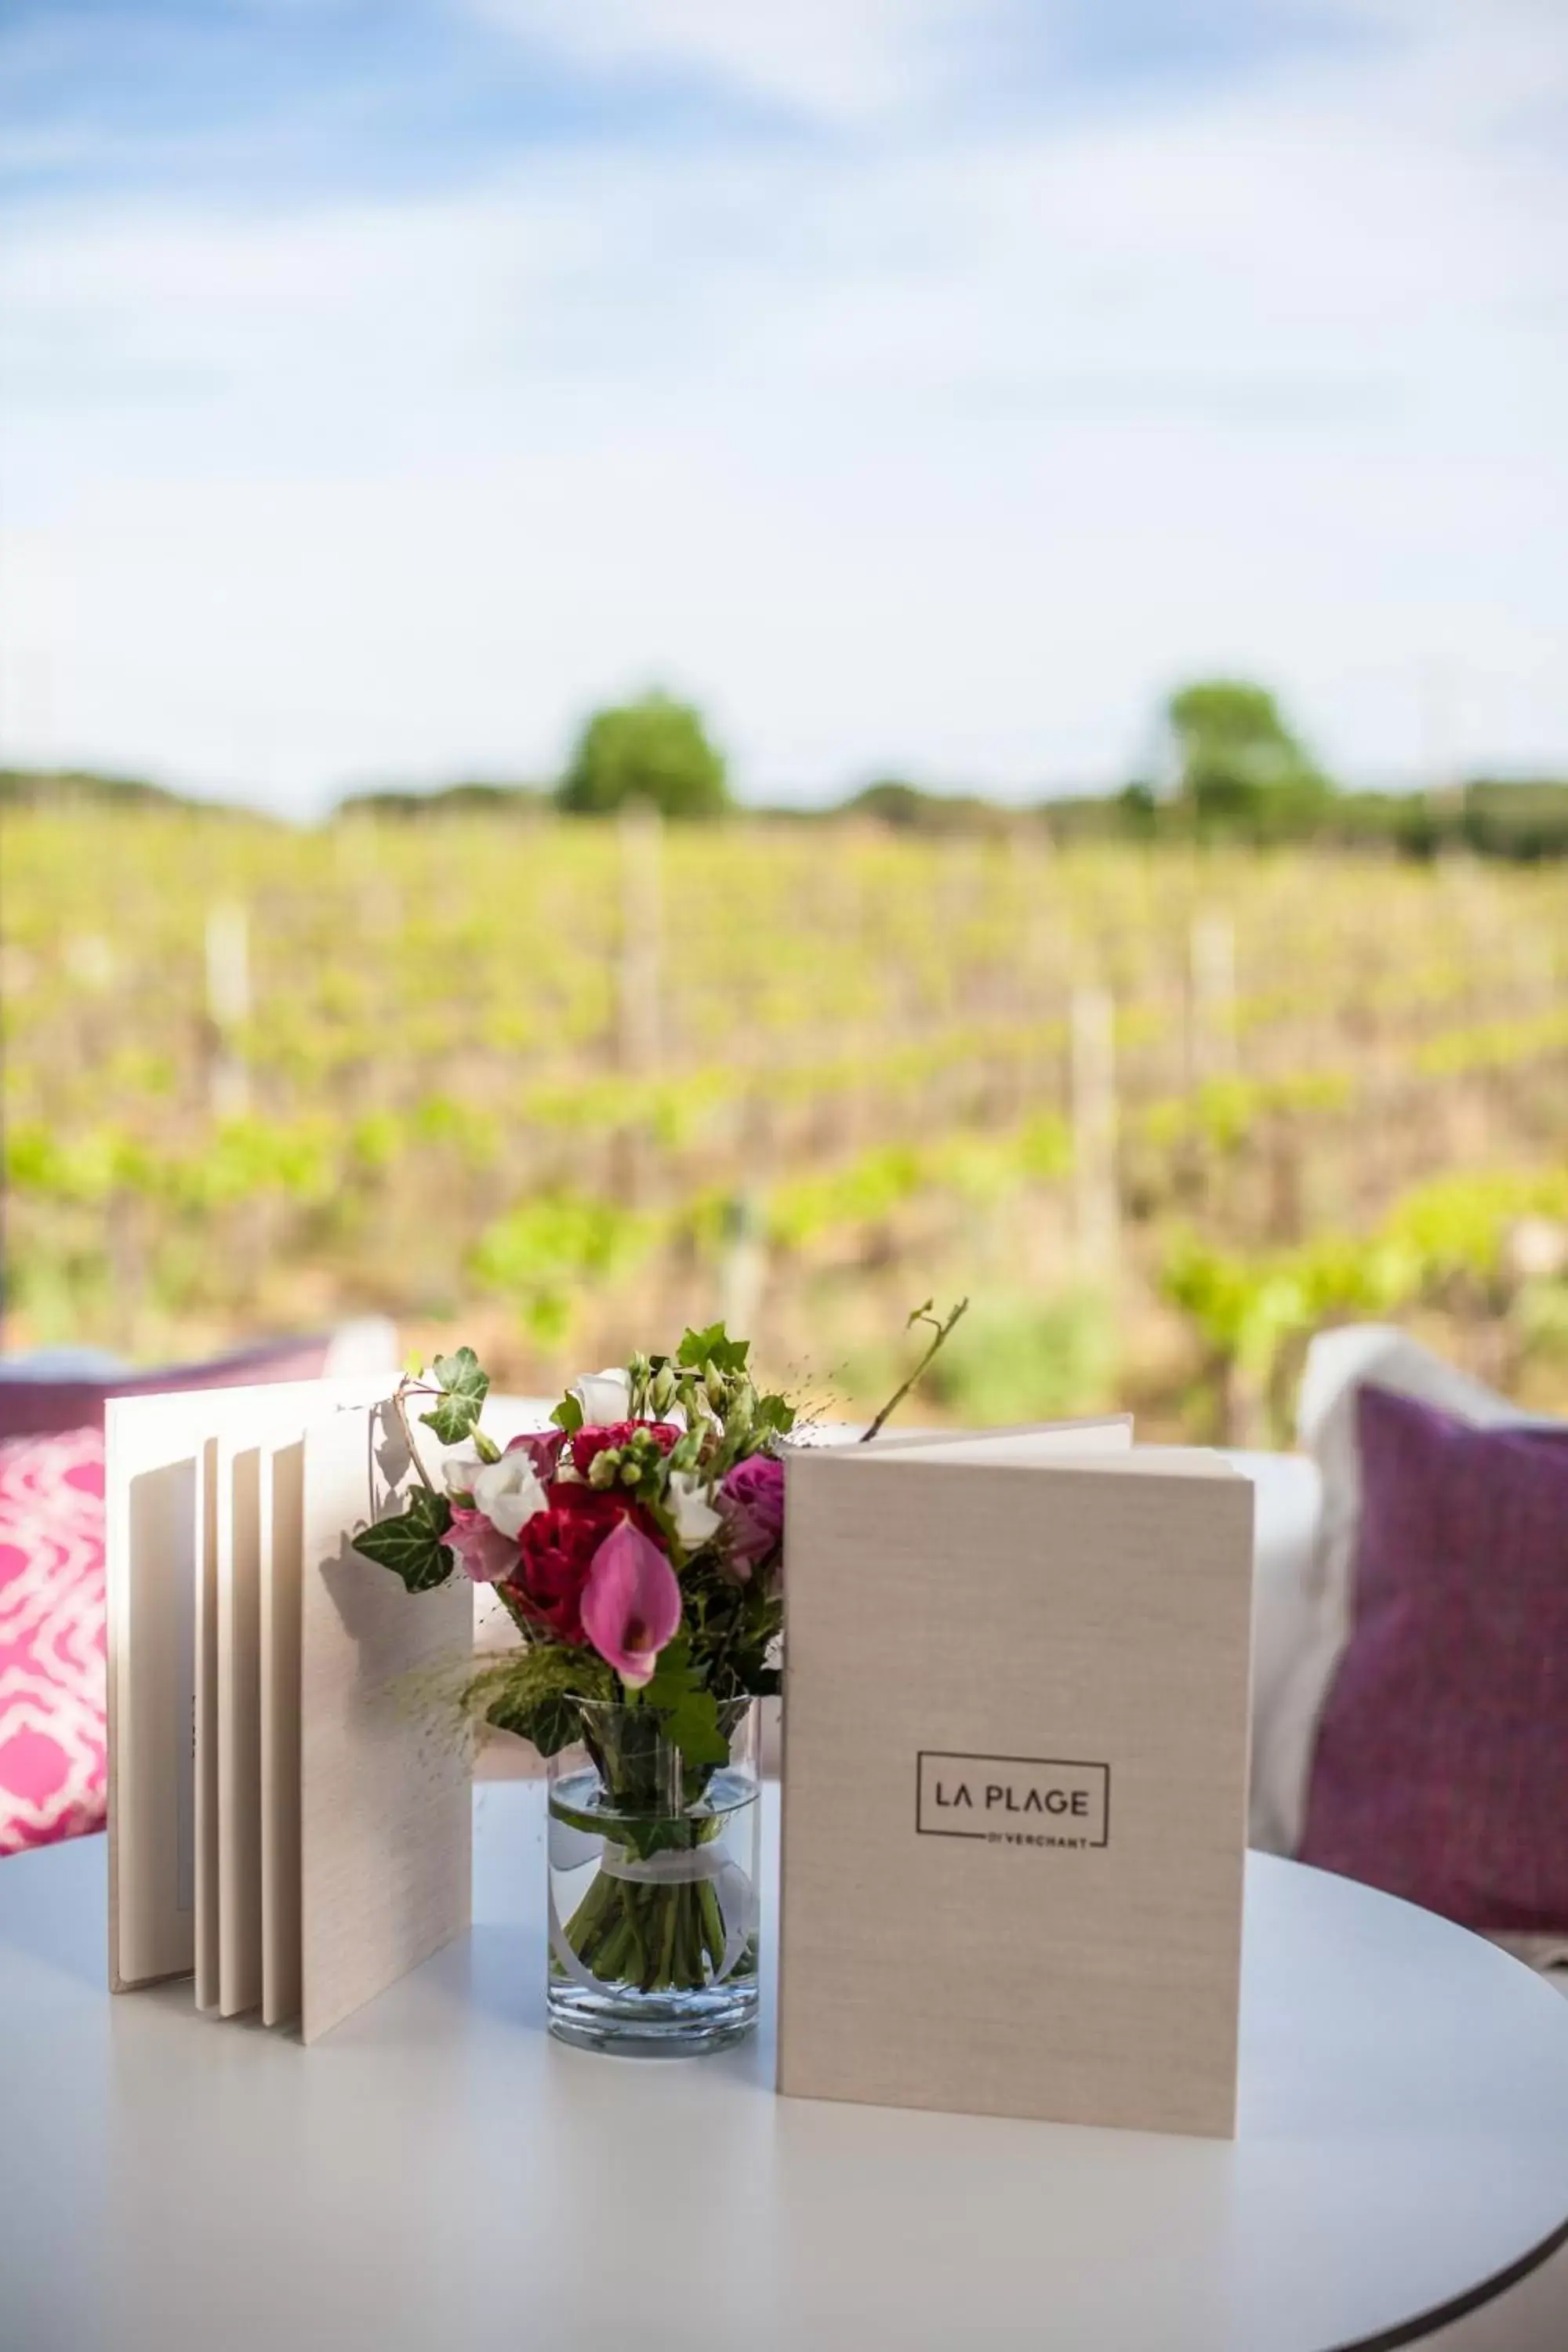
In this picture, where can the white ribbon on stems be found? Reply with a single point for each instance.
(739, 1908)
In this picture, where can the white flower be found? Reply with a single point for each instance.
(695, 1518)
(509, 1492)
(604, 1397)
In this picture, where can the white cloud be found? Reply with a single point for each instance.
(840, 60)
(946, 454)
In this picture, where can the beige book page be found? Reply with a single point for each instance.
(239, 1723)
(1106, 1440)
(282, 1554)
(245, 1797)
(505, 1417)
(149, 1534)
(1106, 1449)
(384, 1776)
(206, 1768)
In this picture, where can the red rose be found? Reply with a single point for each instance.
(555, 1551)
(587, 1443)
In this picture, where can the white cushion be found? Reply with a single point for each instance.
(1283, 1616)
(1336, 1364)
(369, 1345)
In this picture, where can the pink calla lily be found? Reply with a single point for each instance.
(631, 1603)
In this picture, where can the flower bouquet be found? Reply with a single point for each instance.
(637, 1546)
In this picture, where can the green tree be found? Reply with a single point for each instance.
(1240, 766)
(653, 750)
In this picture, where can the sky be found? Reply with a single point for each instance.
(925, 387)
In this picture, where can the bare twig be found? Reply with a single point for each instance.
(400, 1401)
(943, 1331)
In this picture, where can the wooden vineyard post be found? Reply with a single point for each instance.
(743, 1269)
(1040, 921)
(229, 1008)
(1211, 998)
(1096, 1192)
(642, 924)
(639, 974)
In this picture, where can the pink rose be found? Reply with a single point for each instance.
(483, 1552)
(752, 1499)
(631, 1602)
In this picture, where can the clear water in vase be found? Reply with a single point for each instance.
(654, 1913)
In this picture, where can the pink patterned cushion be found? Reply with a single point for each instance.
(1441, 1771)
(51, 1638)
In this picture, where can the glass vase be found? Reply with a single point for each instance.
(653, 1886)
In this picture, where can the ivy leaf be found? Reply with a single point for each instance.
(672, 1675)
(464, 1388)
(699, 1348)
(534, 1692)
(775, 1413)
(551, 1723)
(692, 1725)
(693, 1352)
(568, 1415)
(690, 1714)
(411, 1545)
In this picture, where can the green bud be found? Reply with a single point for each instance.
(631, 1473)
(663, 1393)
(604, 1468)
(714, 1384)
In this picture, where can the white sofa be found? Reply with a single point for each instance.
(1286, 1609)
(1284, 1626)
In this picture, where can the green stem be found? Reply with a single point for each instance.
(943, 1331)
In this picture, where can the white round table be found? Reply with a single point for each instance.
(438, 2173)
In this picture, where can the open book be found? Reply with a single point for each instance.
(1015, 1776)
(284, 1824)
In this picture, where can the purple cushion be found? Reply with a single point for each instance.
(45, 1408)
(1441, 1768)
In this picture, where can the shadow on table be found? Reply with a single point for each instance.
(54, 1907)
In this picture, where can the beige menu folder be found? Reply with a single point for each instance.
(284, 1817)
(1015, 1776)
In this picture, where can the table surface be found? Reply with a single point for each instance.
(439, 2173)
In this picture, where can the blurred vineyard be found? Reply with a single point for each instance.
(557, 1086)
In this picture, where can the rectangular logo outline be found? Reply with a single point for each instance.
(1054, 1763)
